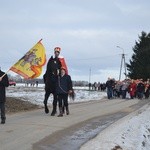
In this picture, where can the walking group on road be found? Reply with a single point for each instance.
(128, 89)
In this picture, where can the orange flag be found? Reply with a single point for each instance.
(30, 65)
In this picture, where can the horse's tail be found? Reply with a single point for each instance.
(72, 95)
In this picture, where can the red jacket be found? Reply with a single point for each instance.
(132, 89)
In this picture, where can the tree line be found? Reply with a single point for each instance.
(139, 64)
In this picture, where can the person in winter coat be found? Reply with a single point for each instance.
(147, 89)
(63, 88)
(3, 84)
(124, 88)
(110, 86)
(140, 89)
(132, 89)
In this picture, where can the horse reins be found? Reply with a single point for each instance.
(60, 86)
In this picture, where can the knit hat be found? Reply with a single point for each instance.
(57, 49)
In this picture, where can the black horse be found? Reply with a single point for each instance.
(53, 67)
(50, 89)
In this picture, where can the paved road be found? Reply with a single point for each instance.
(22, 130)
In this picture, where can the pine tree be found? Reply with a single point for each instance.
(139, 64)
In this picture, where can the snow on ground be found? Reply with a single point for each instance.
(36, 94)
(130, 133)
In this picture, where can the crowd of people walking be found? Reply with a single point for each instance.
(128, 88)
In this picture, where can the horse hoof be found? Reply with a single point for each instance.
(46, 110)
(60, 115)
(52, 114)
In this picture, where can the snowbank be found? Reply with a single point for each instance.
(130, 133)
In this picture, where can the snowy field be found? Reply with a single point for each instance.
(36, 94)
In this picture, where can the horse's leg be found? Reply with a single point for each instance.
(47, 94)
(54, 105)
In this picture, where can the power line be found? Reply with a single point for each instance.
(91, 58)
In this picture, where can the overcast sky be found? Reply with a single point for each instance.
(88, 31)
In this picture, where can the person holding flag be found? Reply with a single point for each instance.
(52, 71)
(3, 84)
(29, 67)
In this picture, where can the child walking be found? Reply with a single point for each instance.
(63, 88)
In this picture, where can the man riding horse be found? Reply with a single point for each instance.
(53, 70)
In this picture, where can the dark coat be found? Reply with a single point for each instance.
(63, 84)
(140, 87)
(4, 83)
(110, 84)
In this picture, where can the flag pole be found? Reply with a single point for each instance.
(40, 40)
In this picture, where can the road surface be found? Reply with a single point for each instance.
(37, 130)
